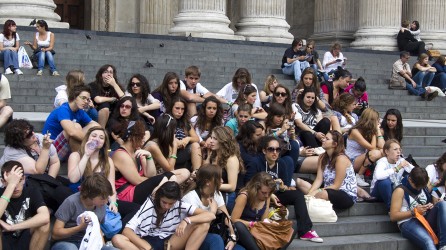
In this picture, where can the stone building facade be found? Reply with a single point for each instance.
(370, 24)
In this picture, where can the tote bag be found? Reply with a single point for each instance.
(320, 210)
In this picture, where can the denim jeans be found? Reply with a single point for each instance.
(418, 91)
(65, 245)
(49, 58)
(423, 79)
(230, 201)
(93, 114)
(439, 80)
(214, 241)
(383, 191)
(415, 232)
(10, 58)
(295, 69)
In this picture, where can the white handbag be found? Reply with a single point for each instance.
(320, 210)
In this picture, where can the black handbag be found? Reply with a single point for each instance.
(219, 226)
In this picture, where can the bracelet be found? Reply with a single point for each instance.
(275, 134)
(380, 136)
(173, 156)
(230, 103)
(149, 158)
(412, 212)
(115, 203)
(251, 223)
(319, 189)
(5, 198)
(187, 220)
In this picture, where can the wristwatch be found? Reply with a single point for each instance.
(201, 95)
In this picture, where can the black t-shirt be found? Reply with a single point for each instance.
(290, 53)
(23, 207)
(108, 91)
(403, 38)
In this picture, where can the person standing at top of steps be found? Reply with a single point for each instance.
(294, 60)
(193, 91)
(68, 124)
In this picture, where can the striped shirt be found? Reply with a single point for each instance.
(144, 221)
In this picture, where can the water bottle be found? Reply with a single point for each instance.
(92, 145)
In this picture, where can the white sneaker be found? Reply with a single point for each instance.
(18, 72)
(360, 180)
(39, 73)
(8, 71)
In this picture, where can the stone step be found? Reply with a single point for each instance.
(385, 241)
(423, 141)
(359, 209)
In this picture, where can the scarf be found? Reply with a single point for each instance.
(405, 182)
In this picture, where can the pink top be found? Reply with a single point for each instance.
(129, 191)
(363, 98)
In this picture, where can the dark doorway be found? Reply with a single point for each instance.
(72, 12)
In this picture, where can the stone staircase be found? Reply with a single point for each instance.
(364, 226)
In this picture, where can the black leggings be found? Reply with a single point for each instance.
(297, 199)
(145, 188)
(245, 238)
(339, 199)
(308, 139)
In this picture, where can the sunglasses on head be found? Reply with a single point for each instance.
(273, 149)
(29, 134)
(126, 106)
(135, 84)
(283, 94)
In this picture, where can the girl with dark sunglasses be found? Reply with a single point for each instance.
(281, 170)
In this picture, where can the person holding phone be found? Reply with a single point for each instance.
(334, 59)
(294, 60)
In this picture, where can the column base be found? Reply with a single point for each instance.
(436, 38)
(51, 24)
(201, 23)
(328, 38)
(376, 39)
(208, 35)
(273, 30)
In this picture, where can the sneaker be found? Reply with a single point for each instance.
(55, 73)
(312, 236)
(39, 73)
(8, 71)
(18, 72)
(360, 180)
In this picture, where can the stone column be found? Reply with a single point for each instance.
(431, 15)
(24, 11)
(335, 20)
(156, 17)
(379, 22)
(264, 21)
(202, 18)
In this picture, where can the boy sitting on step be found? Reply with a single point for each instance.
(93, 196)
(25, 218)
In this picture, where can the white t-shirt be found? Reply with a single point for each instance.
(199, 89)
(433, 177)
(384, 170)
(193, 199)
(328, 57)
(230, 94)
(8, 43)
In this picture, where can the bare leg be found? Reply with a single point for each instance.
(196, 156)
(39, 237)
(74, 143)
(121, 242)
(5, 113)
(309, 165)
(303, 186)
(192, 238)
(191, 109)
(103, 115)
(362, 193)
(181, 175)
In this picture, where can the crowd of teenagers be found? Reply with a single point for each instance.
(174, 160)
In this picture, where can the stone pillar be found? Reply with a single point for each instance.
(24, 11)
(430, 14)
(379, 22)
(202, 18)
(103, 15)
(335, 20)
(264, 21)
(156, 17)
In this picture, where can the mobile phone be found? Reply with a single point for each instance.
(338, 60)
